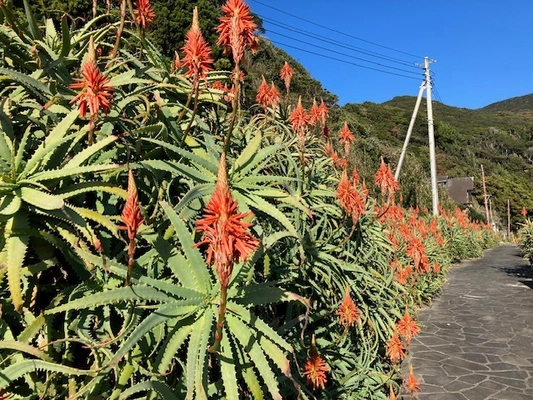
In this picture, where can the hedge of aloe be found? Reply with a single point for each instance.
(158, 241)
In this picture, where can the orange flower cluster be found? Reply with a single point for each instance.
(228, 93)
(395, 349)
(346, 138)
(286, 73)
(144, 14)
(131, 215)
(224, 231)
(197, 60)
(417, 251)
(299, 118)
(349, 197)
(267, 95)
(96, 92)
(315, 371)
(407, 327)
(386, 181)
(236, 30)
(411, 383)
(348, 311)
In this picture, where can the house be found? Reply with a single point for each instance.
(459, 189)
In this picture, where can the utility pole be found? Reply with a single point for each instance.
(508, 220)
(485, 197)
(425, 86)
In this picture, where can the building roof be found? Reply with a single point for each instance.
(460, 189)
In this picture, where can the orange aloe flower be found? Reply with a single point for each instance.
(411, 383)
(299, 118)
(132, 218)
(324, 112)
(315, 371)
(386, 181)
(346, 137)
(96, 92)
(407, 327)
(263, 93)
(144, 14)
(286, 74)
(356, 179)
(348, 311)
(350, 199)
(417, 252)
(524, 211)
(402, 275)
(225, 232)
(274, 94)
(236, 29)
(197, 58)
(314, 114)
(131, 215)
(395, 349)
(436, 267)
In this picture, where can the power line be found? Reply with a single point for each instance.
(336, 43)
(340, 60)
(334, 30)
(342, 54)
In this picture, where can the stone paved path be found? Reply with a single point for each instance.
(476, 341)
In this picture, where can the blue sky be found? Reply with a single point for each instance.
(483, 48)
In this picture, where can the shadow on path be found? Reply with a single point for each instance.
(476, 341)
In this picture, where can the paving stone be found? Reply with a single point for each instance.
(476, 340)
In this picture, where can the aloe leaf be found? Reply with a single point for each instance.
(179, 169)
(246, 316)
(248, 153)
(67, 172)
(136, 293)
(100, 219)
(9, 204)
(250, 345)
(85, 154)
(211, 167)
(28, 82)
(18, 370)
(24, 348)
(40, 199)
(227, 367)
(168, 313)
(172, 344)
(193, 351)
(32, 22)
(6, 147)
(31, 330)
(16, 251)
(200, 378)
(198, 191)
(84, 187)
(127, 78)
(65, 37)
(198, 267)
(162, 390)
(121, 270)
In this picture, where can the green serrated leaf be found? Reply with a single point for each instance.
(9, 204)
(24, 348)
(40, 199)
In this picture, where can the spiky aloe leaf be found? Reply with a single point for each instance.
(171, 313)
(162, 390)
(32, 22)
(249, 342)
(18, 370)
(28, 82)
(24, 348)
(196, 355)
(67, 172)
(84, 187)
(88, 152)
(31, 330)
(227, 367)
(247, 155)
(137, 293)
(16, 245)
(9, 204)
(40, 199)
(177, 168)
(197, 266)
(170, 347)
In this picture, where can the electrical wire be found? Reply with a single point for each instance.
(340, 60)
(336, 42)
(342, 54)
(335, 30)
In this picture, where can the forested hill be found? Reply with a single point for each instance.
(495, 137)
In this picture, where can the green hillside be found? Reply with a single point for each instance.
(501, 141)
